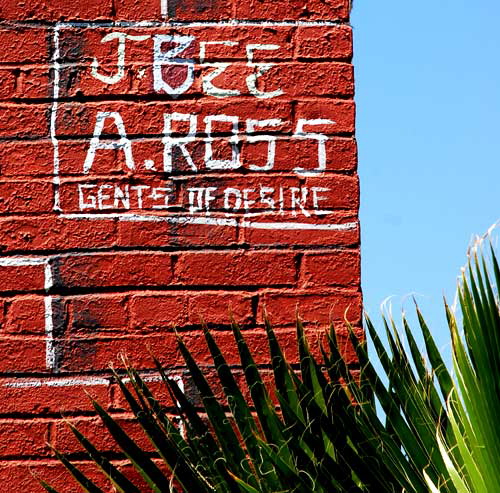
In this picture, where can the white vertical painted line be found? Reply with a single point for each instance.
(50, 349)
(164, 8)
(50, 344)
(53, 117)
(49, 281)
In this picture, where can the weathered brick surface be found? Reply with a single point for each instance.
(152, 183)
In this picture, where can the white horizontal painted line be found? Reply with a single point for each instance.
(67, 382)
(300, 226)
(82, 381)
(20, 261)
(211, 221)
(156, 378)
(230, 23)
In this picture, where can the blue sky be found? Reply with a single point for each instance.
(428, 96)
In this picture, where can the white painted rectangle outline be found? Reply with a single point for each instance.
(172, 219)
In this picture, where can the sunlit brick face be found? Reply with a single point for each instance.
(163, 163)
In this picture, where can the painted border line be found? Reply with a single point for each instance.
(227, 23)
(56, 179)
(50, 355)
(50, 381)
(231, 222)
(212, 221)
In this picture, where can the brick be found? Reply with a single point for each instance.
(22, 355)
(138, 9)
(336, 268)
(341, 112)
(22, 437)
(24, 121)
(17, 197)
(35, 83)
(19, 277)
(185, 10)
(340, 191)
(319, 307)
(92, 313)
(53, 233)
(212, 268)
(97, 353)
(319, 42)
(217, 308)
(300, 80)
(159, 310)
(125, 269)
(8, 89)
(179, 310)
(18, 45)
(3, 309)
(293, 10)
(25, 82)
(201, 9)
(23, 158)
(175, 233)
(40, 396)
(55, 10)
(25, 315)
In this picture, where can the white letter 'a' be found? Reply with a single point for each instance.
(95, 143)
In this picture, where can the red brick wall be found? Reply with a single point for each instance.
(162, 161)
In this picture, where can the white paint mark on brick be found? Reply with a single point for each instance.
(48, 316)
(120, 64)
(211, 221)
(164, 8)
(50, 343)
(21, 261)
(53, 117)
(234, 22)
(123, 144)
(300, 226)
(86, 381)
(260, 70)
(49, 279)
(170, 57)
(216, 221)
(51, 382)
